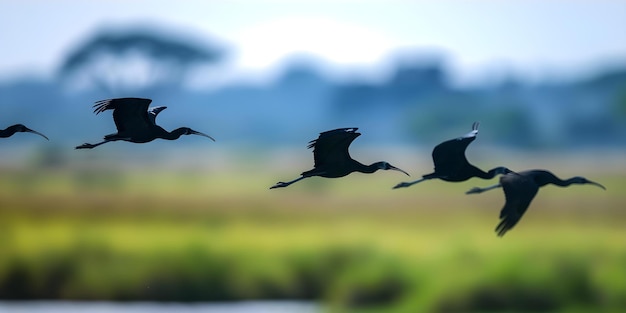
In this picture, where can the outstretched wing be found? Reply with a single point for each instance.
(331, 147)
(153, 112)
(129, 114)
(449, 155)
(519, 191)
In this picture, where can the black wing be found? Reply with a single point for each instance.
(450, 155)
(519, 191)
(153, 112)
(129, 114)
(331, 147)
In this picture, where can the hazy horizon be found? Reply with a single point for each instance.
(478, 39)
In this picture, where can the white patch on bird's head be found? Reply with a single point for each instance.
(383, 165)
(386, 166)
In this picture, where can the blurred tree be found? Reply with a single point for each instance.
(417, 80)
(136, 59)
(49, 157)
(620, 102)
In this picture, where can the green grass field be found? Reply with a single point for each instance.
(352, 243)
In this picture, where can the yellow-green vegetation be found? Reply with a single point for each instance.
(352, 243)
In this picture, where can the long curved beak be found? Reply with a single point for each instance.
(596, 184)
(201, 134)
(38, 133)
(391, 167)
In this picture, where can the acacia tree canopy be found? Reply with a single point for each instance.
(143, 57)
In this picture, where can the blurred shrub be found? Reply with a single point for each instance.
(353, 253)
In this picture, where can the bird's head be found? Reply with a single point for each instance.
(501, 170)
(581, 180)
(24, 129)
(189, 131)
(386, 166)
(19, 127)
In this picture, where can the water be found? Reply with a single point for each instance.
(145, 307)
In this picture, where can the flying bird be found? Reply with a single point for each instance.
(519, 190)
(17, 128)
(135, 122)
(332, 159)
(451, 164)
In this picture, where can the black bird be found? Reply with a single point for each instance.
(136, 123)
(519, 190)
(452, 165)
(332, 159)
(9, 131)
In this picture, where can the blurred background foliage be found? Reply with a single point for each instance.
(353, 243)
(415, 103)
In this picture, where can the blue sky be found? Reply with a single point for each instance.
(530, 37)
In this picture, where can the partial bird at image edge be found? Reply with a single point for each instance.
(18, 128)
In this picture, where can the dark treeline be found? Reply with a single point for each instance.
(415, 104)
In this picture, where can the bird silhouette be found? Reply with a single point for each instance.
(519, 190)
(332, 159)
(452, 165)
(136, 123)
(17, 128)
